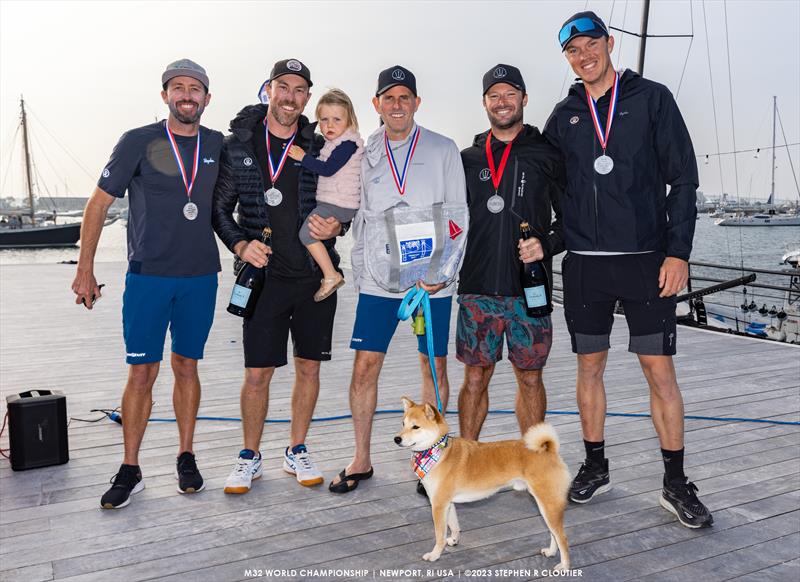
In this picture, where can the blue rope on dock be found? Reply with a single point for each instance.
(411, 301)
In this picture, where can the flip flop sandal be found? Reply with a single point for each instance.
(343, 487)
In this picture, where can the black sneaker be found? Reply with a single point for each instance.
(125, 483)
(189, 478)
(421, 489)
(678, 497)
(591, 480)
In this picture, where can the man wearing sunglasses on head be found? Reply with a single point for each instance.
(628, 240)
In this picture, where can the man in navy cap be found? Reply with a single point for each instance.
(624, 142)
(512, 175)
(169, 169)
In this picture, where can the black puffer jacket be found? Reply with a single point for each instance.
(629, 209)
(531, 185)
(240, 182)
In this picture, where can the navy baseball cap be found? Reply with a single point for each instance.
(291, 67)
(501, 73)
(393, 76)
(582, 24)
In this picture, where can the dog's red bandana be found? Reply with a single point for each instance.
(423, 461)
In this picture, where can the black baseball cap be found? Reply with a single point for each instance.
(503, 74)
(393, 76)
(582, 24)
(291, 67)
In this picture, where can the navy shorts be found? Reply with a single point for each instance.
(151, 304)
(286, 306)
(592, 286)
(376, 321)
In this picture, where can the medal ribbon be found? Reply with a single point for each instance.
(273, 173)
(400, 179)
(179, 159)
(497, 174)
(612, 106)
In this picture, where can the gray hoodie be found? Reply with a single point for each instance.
(435, 174)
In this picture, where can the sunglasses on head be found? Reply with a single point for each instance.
(584, 24)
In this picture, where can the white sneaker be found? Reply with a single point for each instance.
(301, 466)
(244, 472)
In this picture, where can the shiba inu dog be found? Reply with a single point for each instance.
(455, 470)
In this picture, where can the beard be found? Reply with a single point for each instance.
(512, 121)
(186, 118)
(285, 118)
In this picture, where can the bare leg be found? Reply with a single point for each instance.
(185, 399)
(137, 401)
(304, 398)
(591, 393)
(322, 258)
(363, 400)
(531, 400)
(428, 389)
(473, 400)
(254, 401)
(666, 403)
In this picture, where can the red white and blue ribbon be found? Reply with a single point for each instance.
(179, 159)
(273, 173)
(400, 178)
(604, 135)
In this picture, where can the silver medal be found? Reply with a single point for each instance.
(273, 196)
(495, 204)
(190, 210)
(603, 165)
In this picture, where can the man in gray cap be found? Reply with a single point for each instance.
(169, 169)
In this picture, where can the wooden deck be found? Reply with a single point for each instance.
(51, 526)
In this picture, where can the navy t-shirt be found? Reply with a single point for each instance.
(161, 241)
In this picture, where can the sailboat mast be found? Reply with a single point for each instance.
(29, 182)
(643, 36)
(774, 115)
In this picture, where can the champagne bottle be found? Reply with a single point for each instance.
(535, 282)
(248, 285)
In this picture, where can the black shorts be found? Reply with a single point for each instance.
(592, 286)
(285, 306)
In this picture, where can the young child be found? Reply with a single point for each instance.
(339, 169)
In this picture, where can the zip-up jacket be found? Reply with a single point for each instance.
(531, 184)
(628, 209)
(240, 182)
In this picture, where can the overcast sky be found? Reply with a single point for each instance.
(91, 70)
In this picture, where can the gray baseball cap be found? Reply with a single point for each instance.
(184, 68)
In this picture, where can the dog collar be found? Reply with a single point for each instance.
(424, 461)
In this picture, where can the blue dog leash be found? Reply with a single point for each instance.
(417, 297)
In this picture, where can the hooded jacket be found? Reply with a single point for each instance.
(627, 210)
(530, 187)
(240, 182)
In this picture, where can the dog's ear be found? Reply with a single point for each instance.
(407, 403)
(430, 411)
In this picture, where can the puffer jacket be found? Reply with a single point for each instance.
(240, 182)
(530, 187)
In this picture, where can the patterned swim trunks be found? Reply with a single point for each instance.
(483, 320)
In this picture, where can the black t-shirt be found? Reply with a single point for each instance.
(161, 241)
(289, 258)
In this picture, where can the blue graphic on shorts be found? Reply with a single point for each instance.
(415, 249)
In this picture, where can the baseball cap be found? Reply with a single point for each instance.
(501, 73)
(582, 24)
(184, 68)
(291, 67)
(393, 76)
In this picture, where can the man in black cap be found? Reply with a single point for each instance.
(403, 162)
(624, 141)
(169, 169)
(513, 175)
(272, 190)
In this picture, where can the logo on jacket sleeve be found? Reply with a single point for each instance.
(484, 175)
(574, 119)
(248, 162)
(106, 173)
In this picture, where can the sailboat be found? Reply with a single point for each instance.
(31, 229)
(769, 218)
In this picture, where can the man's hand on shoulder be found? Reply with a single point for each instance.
(673, 276)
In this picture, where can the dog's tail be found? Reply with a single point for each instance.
(541, 438)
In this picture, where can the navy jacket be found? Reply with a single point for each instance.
(629, 209)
